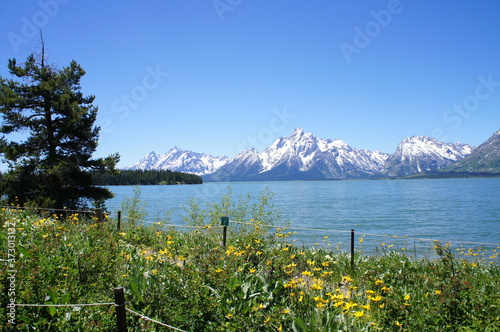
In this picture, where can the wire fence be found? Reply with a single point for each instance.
(119, 303)
(100, 216)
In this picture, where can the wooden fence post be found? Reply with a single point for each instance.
(352, 248)
(119, 220)
(121, 317)
(99, 214)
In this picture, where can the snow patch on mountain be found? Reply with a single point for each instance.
(180, 160)
(305, 156)
(418, 154)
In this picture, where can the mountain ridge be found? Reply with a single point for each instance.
(304, 156)
(484, 158)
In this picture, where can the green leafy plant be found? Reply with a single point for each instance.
(260, 281)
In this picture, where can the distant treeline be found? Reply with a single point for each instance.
(148, 177)
(452, 174)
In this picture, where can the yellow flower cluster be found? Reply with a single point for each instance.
(484, 254)
(231, 250)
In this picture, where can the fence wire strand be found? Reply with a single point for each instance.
(267, 225)
(310, 229)
(154, 321)
(170, 225)
(63, 305)
(42, 209)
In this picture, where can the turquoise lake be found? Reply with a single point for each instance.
(401, 214)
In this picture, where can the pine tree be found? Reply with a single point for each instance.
(51, 165)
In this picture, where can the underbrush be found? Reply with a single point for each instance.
(260, 281)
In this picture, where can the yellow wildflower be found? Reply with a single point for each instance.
(359, 313)
(260, 306)
(376, 298)
(338, 303)
(318, 284)
(347, 278)
(349, 305)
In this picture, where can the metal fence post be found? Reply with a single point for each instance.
(224, 222)
(352, 248)
(119, 220)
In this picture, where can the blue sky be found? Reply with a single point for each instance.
(217, 76)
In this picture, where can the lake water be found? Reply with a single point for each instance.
(401, 213)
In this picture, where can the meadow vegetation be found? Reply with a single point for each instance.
(261, 280)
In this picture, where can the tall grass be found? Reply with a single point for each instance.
(261, 281)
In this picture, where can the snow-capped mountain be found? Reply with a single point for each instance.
(302, 156)
(484, 158)
(179, 160)
(418, 154)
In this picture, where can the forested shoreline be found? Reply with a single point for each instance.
(145, 177)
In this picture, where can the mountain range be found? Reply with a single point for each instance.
(303, 156)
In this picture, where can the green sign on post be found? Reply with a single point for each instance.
(224, 221)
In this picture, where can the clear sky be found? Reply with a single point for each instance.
(217, 76)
